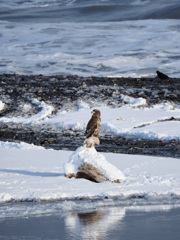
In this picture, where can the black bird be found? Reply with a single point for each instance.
(161, 75)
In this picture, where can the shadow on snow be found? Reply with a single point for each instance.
(37, 174)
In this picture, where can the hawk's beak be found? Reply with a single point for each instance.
(92, 112)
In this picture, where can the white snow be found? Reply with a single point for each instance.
(33, 173)
(2, 105)
(133, 101)
(45, 112)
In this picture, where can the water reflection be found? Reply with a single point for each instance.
(94, 225)
(127, 223)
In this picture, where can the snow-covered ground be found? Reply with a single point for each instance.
(30, 173)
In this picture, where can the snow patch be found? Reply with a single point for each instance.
(82, 105)
(2, 106)
(5, 197)
(45, 112)
(133, 101)
(21, 145)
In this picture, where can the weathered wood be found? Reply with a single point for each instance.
(90, 172)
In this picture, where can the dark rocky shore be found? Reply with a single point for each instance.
(66, 91)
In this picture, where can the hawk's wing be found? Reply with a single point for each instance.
(93, 127)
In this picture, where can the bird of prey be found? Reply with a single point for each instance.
(94, 125)
(93, 128)
(161, 75)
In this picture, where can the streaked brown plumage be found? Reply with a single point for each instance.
(94, 125)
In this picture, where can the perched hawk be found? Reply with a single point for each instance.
(93, 128)
(94, 125)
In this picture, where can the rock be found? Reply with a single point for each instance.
(87, 163)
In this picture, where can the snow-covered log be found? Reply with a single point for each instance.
(89, 164)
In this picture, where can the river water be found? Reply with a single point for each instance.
(127, 223)
(90, 38)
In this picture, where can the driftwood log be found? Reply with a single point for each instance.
(89, 172)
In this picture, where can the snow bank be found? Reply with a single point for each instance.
(21, 145)
(134, 119)
(133, 101)
(34, 174)
(45, 112)
(89, 155)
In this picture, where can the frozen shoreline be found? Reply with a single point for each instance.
(63, 207)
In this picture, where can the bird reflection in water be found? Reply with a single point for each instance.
(94, 225)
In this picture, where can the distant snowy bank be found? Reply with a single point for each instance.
(133, 119)
(45, 112)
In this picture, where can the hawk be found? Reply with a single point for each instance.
(93, 128)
